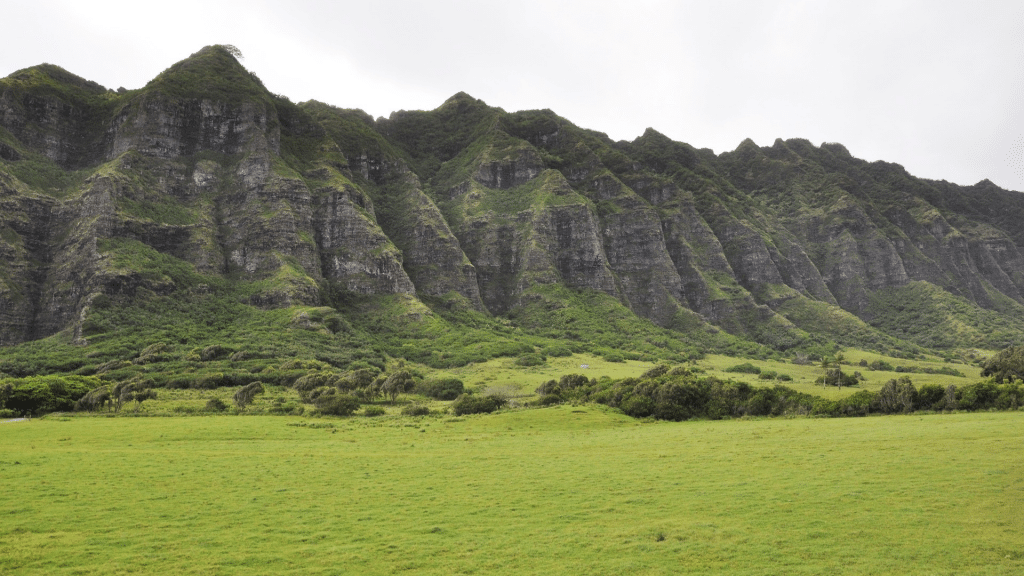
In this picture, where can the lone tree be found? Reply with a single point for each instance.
(396, 384)
(826, 366)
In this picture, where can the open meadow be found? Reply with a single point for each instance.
(559, 490)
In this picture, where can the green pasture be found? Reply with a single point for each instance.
(560, 490)
(805, 375)
(504, 372)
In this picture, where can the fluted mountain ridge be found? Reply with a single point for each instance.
(203, 182)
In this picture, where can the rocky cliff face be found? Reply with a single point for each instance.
(465, 205)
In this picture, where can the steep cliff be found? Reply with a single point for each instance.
(203, 185)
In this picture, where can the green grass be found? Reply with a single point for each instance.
(503, 372)
(805, 375)
(566, 490)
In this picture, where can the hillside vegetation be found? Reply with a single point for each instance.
(202, 232)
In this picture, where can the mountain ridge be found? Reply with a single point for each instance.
(471, 210)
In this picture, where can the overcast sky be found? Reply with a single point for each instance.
(936, 86)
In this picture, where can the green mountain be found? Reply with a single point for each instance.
(202, 218)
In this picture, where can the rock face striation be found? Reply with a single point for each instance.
(466, 206)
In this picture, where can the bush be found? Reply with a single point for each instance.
(215, 405)
(1007, 365)
(768, 375)
(557, 351)
(441, 389)
(614, 357)
(530, 360)
(548, 400)
(416, 410)
(881, 365)
(468, 404)
(372, 411)
(96, 398)
(897, 396)
(570, 381)
(340, 404)
(745, 368)
(930, 397)
(549, 387)
(316, 379)
(659, 370)
(214, 352)
(153, 353)
(43, 394)
(245, 395)
(218, 379)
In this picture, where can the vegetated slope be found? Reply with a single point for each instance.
(202, 208)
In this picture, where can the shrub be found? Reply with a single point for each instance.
(614, 357)
(881, 365)
(218, 379)
(659, 370)
(1007, 365)
(339, 404)
(416, 410)
(153, 353)
(372, 411)
(441, 389)
(570, 381)
(246, 394)
(549, 387)
(785, 378)
(930, 397)
(43, 394)
(897, 396)
(859, 403)
(215, 405)
(557, 351)
(317, 379)
(397, 383)
(978, 396)
(214, 352)
(468, 404)
(96, 398)
(530, 360)
(745, 368)
(548, 400)
(768, 375)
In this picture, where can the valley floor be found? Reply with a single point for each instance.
(568, 490)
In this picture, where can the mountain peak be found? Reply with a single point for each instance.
(462, 102)
(49, 73)
(212, 73)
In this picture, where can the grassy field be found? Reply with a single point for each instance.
(805, 375)
(503, 372)
(561, 490)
